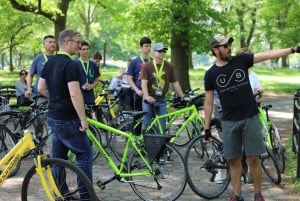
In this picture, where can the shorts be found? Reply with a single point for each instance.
(245, 133)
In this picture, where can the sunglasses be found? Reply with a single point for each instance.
(23, 73)
(160, 51)
(225, 46)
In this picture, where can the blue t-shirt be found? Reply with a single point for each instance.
(233, 86)
(135, 68)
(37, 67)
(88, 77)
(58, 71)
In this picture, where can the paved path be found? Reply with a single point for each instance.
(281, 114)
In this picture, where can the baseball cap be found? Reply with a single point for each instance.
(159, 46)
(220, 39)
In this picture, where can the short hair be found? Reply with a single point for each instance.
(48, 36)
(67, 34)
(145, 40)
(85, 43)
(97, 55)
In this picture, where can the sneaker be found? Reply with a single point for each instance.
(259, 197)
(218, 178)
(236, 198)
(161, 161)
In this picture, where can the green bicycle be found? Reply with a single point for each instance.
(183, 124)
(141, 168)
(271, 135)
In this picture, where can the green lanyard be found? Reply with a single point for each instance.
(142, 59)
(64, 53)
(86, 69)
(159, 74)
(45, 58)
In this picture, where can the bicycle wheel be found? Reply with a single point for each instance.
(168, 181)
(277, 147)
(270, 166)
(7, 142)
(66, 176)
(97, 133)
(208, 171)
(118, 142)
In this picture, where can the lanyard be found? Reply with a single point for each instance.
(65, 53)
(142, 59)
(86, 69)
(159, 73)
(45, 58)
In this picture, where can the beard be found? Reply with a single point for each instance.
(226, 57)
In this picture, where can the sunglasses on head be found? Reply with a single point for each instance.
(160, 51)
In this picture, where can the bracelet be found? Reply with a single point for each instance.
(293, 50)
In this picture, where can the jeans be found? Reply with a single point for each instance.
(66, 136)
(159, 108)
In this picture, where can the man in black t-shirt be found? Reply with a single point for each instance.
(60, 82)
(240, 124)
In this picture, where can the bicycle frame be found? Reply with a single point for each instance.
(131, 142)
(16, 153)
(192, 113)
(266, 125)
(103, 97)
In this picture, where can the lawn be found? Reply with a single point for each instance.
(273, 80)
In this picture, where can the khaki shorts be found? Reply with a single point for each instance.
(245, 133)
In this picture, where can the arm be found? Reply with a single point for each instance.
(145, 91)
(77, 100)
(271, 54)
(29, 79)
(208, 107)
(42, 87)
(133, 86)
(178, 89)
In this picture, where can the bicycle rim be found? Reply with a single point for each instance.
(277, 148)
(208, 171)
(66, 175)
(97, 134)
(169, 180)
(270, 166)
(7, 142)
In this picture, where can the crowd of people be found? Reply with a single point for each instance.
(69, 84)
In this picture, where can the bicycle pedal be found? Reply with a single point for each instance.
(100, 185)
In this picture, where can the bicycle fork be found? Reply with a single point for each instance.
(47, 182)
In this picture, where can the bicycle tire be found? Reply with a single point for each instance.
(31, 187)
(277, 147)
(169, 181)
(270, 166)
(208, 171)
(7, 142)
(97, 133)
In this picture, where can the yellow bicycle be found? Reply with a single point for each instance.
(49, 178)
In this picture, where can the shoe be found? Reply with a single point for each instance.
(161, 161)
(236, 198)
(218, 178)
(259, 197)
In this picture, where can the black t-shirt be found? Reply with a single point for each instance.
(233, 86)
(58, 71)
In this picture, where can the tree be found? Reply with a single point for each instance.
(56, 11)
